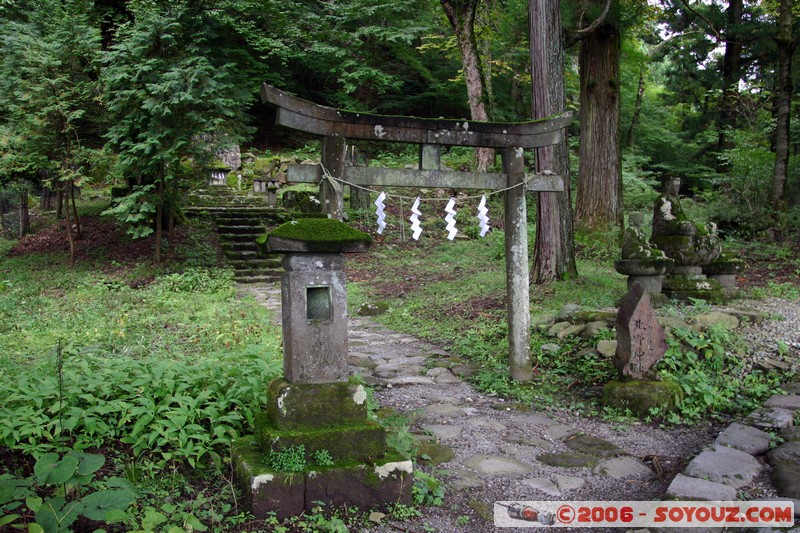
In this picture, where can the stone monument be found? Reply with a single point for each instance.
(314, 412)
(641, 343)
(692, 245)
(641, 261)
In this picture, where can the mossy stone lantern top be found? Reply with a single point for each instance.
(317, 235)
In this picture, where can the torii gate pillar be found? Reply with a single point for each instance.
(334, 151)
(517, 277)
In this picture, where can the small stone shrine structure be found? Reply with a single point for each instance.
(315, 416)
(692, 245)
(641, 261)
(641, 343)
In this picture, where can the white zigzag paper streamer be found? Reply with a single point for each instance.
(414, 218)
(379, 212)
(483, 216)
(451, 219)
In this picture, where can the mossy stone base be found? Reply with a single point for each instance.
(363, 441)
(683, 288)
(640, 396)
(377, 484)
(294, 405)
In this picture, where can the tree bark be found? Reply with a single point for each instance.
(637, 109)
(70, 236)
(731, 73)
(71, 188)
(24, 216)
(786, 47)
(159, 215)
(599, 195)
(553, 253)
(461, 14)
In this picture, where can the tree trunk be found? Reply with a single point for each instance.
(637, 109)
(461, 14)
(553, 253)
(71, 188)
(59, 199)
(599, 195)
(159, 215)
(70, 237)
(731, 74)
(786, 47)
(24, 216)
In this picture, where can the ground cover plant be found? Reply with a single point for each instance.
(152, 369)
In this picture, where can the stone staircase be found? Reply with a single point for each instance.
(239, 219)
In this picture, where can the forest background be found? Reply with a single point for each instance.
(128, 92)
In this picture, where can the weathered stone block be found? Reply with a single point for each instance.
(641, 396)
(370, 485)
(265, 490)
(296, 405)
(721, 464)
(692, 488)
(745, 438)
(366, 486)
(355, 442)
(641, 341)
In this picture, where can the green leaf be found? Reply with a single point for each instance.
(35, 528)
(195, 524)
(44, 465)
(7, 519)
(96, 504)
(34, 503)
(88, 463)
(62, 471)
(116, 515)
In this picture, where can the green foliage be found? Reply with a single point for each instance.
(713, 378)
(291, 459)
(774, 289)
(427, 490)
(399, 436)
(136, 210)
(66, 481)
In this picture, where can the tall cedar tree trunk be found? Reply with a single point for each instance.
(68, 223)
(173, 196)
(78, 234)
(786, 47)
(461, 14)
(731, 74)
(59, 199)
(159, 215)
(599, 195)
(553, 254)
(637, 109)
(24, 216)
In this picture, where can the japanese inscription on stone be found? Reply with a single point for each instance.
(641, 341)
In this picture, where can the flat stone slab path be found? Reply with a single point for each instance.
(503, 453)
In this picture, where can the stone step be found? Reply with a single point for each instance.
(269, 277)
(230, 254)
(240, 230)
(256, 264)
(239, 237)
(239, 247)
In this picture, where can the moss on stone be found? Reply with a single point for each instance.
(640, 396)
(319, 230)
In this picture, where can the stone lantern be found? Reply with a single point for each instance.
(315, 411)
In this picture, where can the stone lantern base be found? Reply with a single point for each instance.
(687, 282)
(323, 418)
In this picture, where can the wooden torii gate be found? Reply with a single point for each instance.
(336, 126)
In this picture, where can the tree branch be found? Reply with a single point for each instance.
(700, 15)
(598, 21)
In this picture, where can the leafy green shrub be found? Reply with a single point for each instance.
(199, 280)
(427, 490)
(67, 483)
(172, 410)
(713, 377)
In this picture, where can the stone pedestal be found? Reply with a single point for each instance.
(724, 272)
(315, 442)
(329, 417)
(687, 282)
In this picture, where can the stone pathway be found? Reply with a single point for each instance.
(485, 449)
